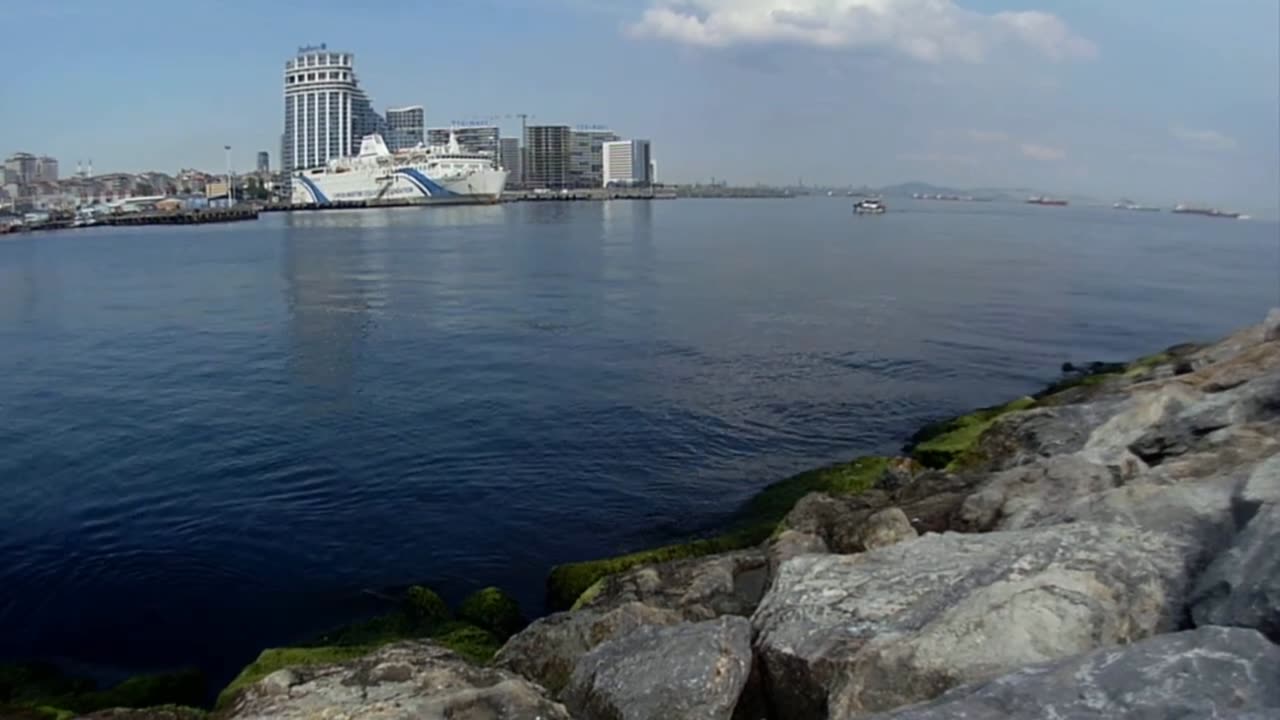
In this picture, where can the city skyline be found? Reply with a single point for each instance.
(1146, 100)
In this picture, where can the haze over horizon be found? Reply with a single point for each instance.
(1156, 101)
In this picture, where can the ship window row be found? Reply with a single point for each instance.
(312, 77)
(314, 60)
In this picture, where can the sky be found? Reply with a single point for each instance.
(1159, 101)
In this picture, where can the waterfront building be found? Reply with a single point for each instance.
(628, 163)
(406, 127)
(586, 159)
(21, 168)
(546, 156)
(481, 139)
(264, 162)
(509, 158)
(46, 169)
(325, 111)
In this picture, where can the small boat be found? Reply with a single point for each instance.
(1045, 200)
(869, 206)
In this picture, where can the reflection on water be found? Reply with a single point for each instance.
(335, 282)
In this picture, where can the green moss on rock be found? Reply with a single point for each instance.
(473, 643)
(943, 445)
(493, 610)
(42, 712)
(757, 520)
(424, 609)
(274, 659)
(421, 615)
(42, 690)
(144, 691)
(775, 501)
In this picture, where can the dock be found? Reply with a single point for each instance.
(185, 217)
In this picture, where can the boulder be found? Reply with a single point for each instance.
(1020, 438)
(403, 681)
(792, 543)
(691, 671)
(1025, 496)
(698, 589)
(884, 528)
(1271, 326)
(1109, 443)
(1208, 673)
(1242, 586)
(931, 500)
(901, 624)
(1199, 426)
(849, 523)
(546, 651)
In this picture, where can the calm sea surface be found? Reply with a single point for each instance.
(215, 439)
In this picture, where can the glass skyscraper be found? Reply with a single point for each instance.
(406, 127)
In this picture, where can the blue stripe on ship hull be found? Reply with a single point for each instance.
(424, 183)
(316, 194)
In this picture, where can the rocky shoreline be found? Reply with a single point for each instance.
(1105, 548)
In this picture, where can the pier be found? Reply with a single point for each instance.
(185, 217)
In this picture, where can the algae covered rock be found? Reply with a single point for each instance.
(698, 589)
(493, 610)
(845, 634)
(1208, 673)
(946, 444)
(42, 690)
(546, 651)
(691, 671)
(424, 608)
(415, 680)
(752, 525)
(420, 614)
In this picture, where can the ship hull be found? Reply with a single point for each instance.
(398, 185)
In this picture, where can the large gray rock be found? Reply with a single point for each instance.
(546, 651)
(1271, 326)
(1026, 496)
(850, 523)
(404, 681)
(1204, 674)
(1110, 442)
(693, 671)
(699, 588)
(1242, 586)
(793, 543)
(1023, 437)
(870, 632)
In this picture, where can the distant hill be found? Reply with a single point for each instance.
(1015, 194)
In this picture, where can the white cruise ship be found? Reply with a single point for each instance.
(441, 174)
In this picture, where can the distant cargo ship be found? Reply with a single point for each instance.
(1210, 212)
(1131, 205)
(1044, 200)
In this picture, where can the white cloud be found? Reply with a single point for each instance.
(1204, 139)
(927, 30)
(1036, 151)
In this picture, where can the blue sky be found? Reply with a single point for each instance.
(1157, 100)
